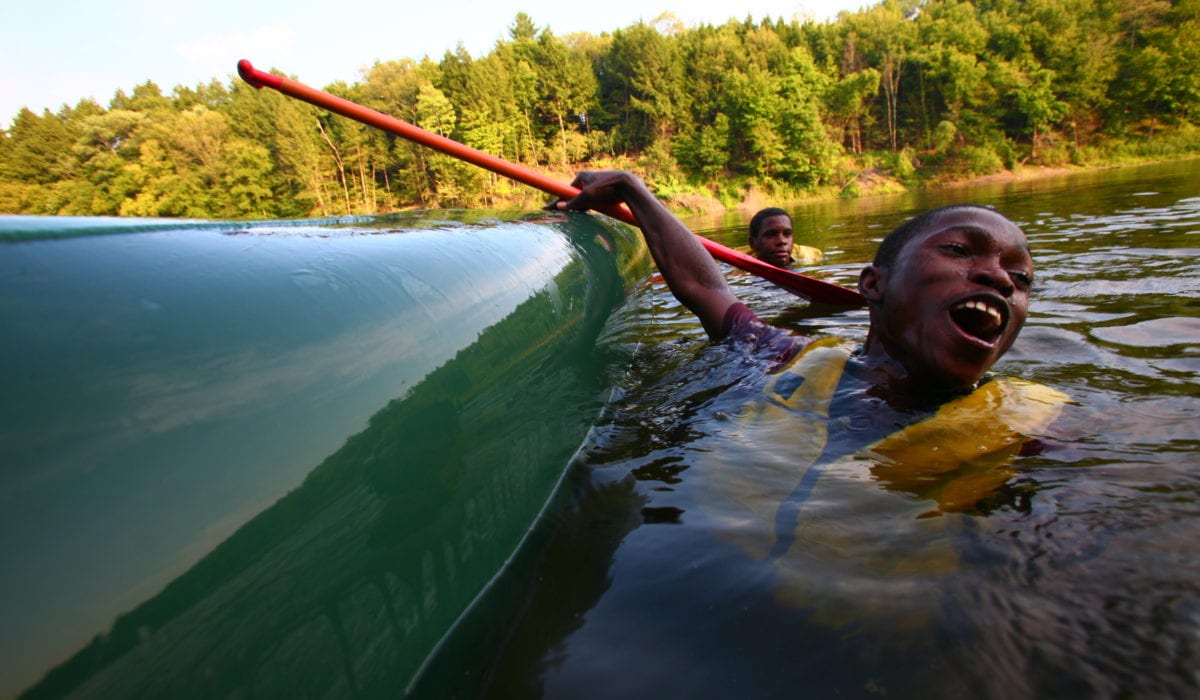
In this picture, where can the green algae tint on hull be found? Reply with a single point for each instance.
(288, 457)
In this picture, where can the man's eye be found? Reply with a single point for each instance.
(1023, 278)
(956, 249)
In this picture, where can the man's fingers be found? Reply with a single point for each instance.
(559, 205)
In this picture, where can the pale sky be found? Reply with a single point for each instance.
(58, 52)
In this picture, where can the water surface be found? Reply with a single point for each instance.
(1074, 576)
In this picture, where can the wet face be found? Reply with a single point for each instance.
(955, 298)
(773, 243)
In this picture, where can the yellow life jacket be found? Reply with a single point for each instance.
(838, 542)
(969, 438)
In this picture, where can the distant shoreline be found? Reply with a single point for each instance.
(874, 183)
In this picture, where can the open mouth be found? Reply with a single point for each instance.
(980, 319)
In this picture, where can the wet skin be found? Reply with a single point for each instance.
(952, 302)
(773, 243)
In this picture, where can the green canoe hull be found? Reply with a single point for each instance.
(286, 458)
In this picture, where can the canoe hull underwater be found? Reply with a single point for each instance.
(287, 458)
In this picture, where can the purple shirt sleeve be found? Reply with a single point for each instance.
(737, 318)
(742, 327)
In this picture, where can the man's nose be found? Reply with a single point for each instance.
(987, 270)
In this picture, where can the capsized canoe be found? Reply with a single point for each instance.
(285, 457)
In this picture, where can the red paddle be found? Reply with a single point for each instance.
(807, 287)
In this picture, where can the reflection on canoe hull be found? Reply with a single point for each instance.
(286, 461)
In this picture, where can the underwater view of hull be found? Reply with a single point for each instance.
(285, 457)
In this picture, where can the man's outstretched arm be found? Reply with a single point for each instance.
(687, 267)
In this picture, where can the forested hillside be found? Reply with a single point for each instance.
(915, 91)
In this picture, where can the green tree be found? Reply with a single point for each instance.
(774, 106)
(704, 142)
(447, 175)
(36, 148)
(811, 155)
(146, 98)
(489, 117)
(641, 81)
(392, 87)
(1157, 81)
(848, 103)
(286, 128)
(952, 44)
(567, 87)
(1055, 58)
(107, 143)
(246, 181)
(1035, 100)
(886, 35)
(190, 164)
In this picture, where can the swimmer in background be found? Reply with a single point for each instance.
(771, 240)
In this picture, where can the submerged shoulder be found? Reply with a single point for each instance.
(743, 328)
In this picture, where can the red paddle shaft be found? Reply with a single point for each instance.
(807, 287)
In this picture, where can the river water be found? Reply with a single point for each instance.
(1072, 573)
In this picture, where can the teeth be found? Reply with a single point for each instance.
(980, 306)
